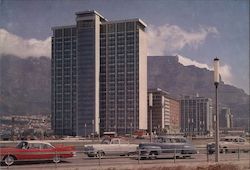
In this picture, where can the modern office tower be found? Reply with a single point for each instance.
(196, 115)
(165, 112)
(64, 80)
(111, 76)
(225, 118)
(123, 76)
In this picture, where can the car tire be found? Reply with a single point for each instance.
(56, 159)
(153, 155)
(225, 150)
(9, 160)
(100, 154)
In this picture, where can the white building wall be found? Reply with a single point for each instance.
(142, 80)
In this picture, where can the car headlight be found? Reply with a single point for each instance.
(88, 148)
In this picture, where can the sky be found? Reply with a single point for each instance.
(196, 31)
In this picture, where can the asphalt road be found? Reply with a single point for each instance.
(81, 161)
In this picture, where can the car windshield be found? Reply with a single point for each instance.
(178, 140)
(22, 145)
(105, 141)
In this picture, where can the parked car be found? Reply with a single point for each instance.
(167, 146)
(115, 146)
(35, 150)
(230, 144)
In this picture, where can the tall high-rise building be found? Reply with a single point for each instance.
(64, 80)
(196, 115)
(108, 80)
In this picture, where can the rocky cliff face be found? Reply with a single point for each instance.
(25, 85)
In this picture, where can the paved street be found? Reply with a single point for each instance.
(83, 162)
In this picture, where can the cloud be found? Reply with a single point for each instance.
(168, 39)
(225, 70)
(187, 62)
(15, 45)
(226, 74)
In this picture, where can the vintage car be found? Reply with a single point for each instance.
(230, 144)
(167, 146)
(110, 147)
(35, 150)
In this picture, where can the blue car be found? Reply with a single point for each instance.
(167, 146)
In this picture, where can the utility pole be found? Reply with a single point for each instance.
(85, 130)
(150, 116)
(216, 83)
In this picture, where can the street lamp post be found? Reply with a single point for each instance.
(216, 83)
(85, 128)
(93, 129)
(130, 129)
(150, 116)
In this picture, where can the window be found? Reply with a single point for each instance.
(86, 24)
(34, 146)
(120, 27)
(130, 26)
(111, 28)
(58, 33)
(115, 141)
(46, 146)
(67, 32)
(103, 28)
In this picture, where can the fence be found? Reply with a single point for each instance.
(116, 157)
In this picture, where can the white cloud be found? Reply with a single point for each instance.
(187, 62)
(168, 39)
(225, 70)
(15, 45)
(226, 74)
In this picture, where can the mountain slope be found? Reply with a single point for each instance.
(25, 85)
(167, 73)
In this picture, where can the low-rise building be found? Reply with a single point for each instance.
(165, 112)
(196, 115)
(225, 118)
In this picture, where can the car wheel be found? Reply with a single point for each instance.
(56, 159)
(100, 154)
(9, 160)
(225, 150)
(186, 156)
(152, 155)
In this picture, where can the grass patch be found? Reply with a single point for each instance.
(184, 167)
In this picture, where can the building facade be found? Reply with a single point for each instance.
(111, 76)
(225, 118)
(196, 115)
(165, 112)
(64, 80)
(174, 115)
(123, 82)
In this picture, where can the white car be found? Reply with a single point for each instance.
(110, 147)
(230, 144)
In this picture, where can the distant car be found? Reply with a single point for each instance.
(35, 150)
(167, 146)
(230, 144)
(110, 147)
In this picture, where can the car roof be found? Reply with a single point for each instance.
(172, 137)
(231, 137)
(34, 141)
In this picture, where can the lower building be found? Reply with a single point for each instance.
(196, 115)
(225, 118)
(165, 112)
